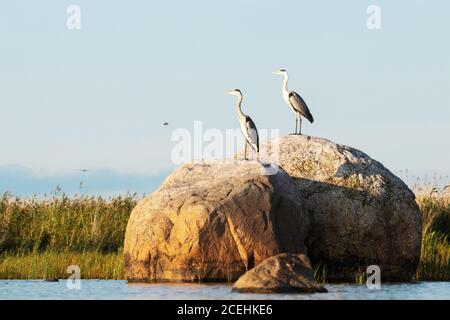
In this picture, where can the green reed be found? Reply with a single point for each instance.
(435, 253)
(40, 238)
(61, 223)
(53, 265)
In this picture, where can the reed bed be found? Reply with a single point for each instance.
(60, 223)
(435, 253)
(54, 265)
(40, 238)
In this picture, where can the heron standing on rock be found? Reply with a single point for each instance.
(297, 104)
(248, 127)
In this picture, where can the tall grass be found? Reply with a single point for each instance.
(40, 238)
(435, 253)
(60, 223)
(53, 265)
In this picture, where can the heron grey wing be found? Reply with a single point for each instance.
(300, 106)
(252, 132)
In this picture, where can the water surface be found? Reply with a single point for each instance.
(110, 289)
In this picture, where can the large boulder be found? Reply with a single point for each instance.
(213, 222)
(360, 213)
(283, 273)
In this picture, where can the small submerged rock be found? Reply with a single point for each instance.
(283, 273)
(51, 280)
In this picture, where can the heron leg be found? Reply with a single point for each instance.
(245, 151)
(296, 125)
(300, 124)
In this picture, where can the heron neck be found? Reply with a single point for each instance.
(238, 107)
(284, 87)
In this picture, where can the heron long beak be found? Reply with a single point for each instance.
(276, 72)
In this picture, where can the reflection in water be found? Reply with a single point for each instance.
(109, 289)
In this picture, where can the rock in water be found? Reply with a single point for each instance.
(360, 213)
(282, 273)
(213, 222)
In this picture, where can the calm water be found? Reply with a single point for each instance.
(107, 289)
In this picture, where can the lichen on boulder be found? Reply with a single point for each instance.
(213, 222)
(361, 214)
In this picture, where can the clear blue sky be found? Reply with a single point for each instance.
(97, 97)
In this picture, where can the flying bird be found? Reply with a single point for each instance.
(165, 124)
(85, 170)
(295, 101)
(248, 127)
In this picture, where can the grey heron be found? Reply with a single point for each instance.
(295, 101)
(248, 127)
